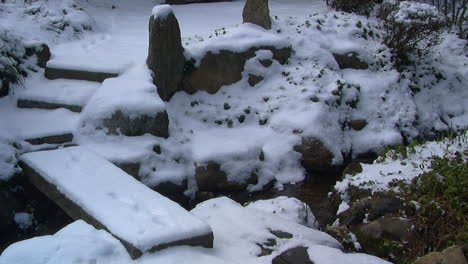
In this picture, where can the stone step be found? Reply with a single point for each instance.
(52, 139)
(88, 187)
(53, 94)
(53, 73)
(25, 103)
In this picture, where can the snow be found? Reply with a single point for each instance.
(308, 97)
(393, 167)
(413, 12)
(161, 11)
(236, 39)
(60, 91)
(35, 123)
(7, 158)
(23, 220)
(75, 243)
(133, 93)
(238, 231)
(288, 208)
(127, 208)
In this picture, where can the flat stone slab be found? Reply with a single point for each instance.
(88, 187)
(25, 103)
(53, 139)
(77, 74)
(32, 124)
(42, 93)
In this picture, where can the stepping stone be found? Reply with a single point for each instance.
(88, 187)
(39, 126)
(52, 94)
(54, 139)
(56, 72)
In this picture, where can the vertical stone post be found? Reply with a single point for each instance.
(257, 12)
(165, 53)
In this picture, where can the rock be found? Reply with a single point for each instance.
(358, 193)
(53, 73)
(4, 88)
(281, 234)
(211, 178)
(350, 61)
(184, 2)
(358, 124)
(356, 213)
(454, 255)
(383, 204)
(297, 255)
(166, 55)
(132, 168)
(431, 258)
(225, 68)
(315, 156)
(42, 53)
(451, 255)
(120, 123)
(257, 12)
(393, 228)
(266, 63)
(343, 235)
(254, 79)
(173, 191)
(352, 168)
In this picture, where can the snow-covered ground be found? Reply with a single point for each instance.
(308, 97)
(239, 234)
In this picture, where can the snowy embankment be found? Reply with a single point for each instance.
(400, 166)
(242, 235)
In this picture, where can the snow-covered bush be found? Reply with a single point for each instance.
(362, 7)
(12, 54)
(60, 16)
(8, 162)
(409, 27)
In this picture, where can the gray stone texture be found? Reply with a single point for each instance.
(166, 55)
(210, 178)
(315, 156)
(53, 73)
(257, 12)
(350, 61)
(225, 68)
(120, 123)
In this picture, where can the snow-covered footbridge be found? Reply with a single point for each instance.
(88, 187)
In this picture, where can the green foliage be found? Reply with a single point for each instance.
(443, 198)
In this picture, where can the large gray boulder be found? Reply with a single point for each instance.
(121, 123)
(210, 178)
(225, 68)
(257, 12)
(165, 53)
(315, 156)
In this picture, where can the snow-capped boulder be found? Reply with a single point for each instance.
(257, 12)
(211, 178)
(225, 67)
(350, 60)
(41, 50)
(127, 105)
(315, 155)
(165, 53)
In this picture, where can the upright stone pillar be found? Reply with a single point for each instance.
(165, 53)
(257, 12)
